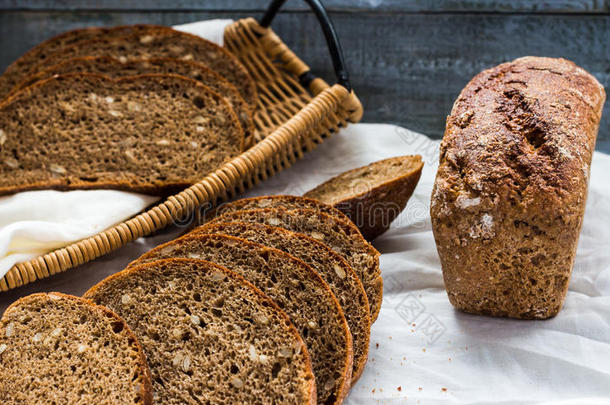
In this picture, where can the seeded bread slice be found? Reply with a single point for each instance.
(210, 336)
(372, 196)
(339, 275)
(156, 42)
(275, 201)
(150, 133)
(56, 347)
(341, 236)
(16, 72)
(112, 67)
(295, 287)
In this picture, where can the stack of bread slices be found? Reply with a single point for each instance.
(269, 301)
(140, 107)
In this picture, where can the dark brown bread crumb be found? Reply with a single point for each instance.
(511, 187)
(341, 236)
(339, 275)
(56, 346)
(17, 71)
(210, 336)
(295, 287)
(156, 42)
(372, 196)
(108, 66)
(150, 133)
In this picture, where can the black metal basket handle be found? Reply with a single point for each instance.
(329, 32)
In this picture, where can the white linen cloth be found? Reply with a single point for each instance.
(422, 350)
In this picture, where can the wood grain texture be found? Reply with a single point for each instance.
(407, 67)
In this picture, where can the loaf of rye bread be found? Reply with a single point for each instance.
(339, 275)
(108, 66)
(510, 191)
(150, 133)
(209, 335)
(372, 196)
(56, 348)
(341, 236)
(295, 287)
(17, 70)
(154, 42)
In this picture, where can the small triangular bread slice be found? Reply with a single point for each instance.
(372, 196)
(64, 348)
(151, 133)
(210, 336)
(339, 275)
(295, 287)
(158, 42)
(341, 236)
(108, 66)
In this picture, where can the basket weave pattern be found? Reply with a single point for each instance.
(289, 121)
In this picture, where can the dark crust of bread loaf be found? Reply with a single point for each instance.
(510, 191)
(216, 57)
(233, 246)
(300, 220)
(109, 66)
(120, 182)
(97, 289)
(355, 304)
(374, 208)
(16, 71)
(146, 387)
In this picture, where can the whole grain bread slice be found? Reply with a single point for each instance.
(108, 66)
(210, 336)
(56, 347)
(150, 133)
(295, 287)
(372, 196)
(341, 236)
(339, 275)
(155, 42)
(273, 201)
(17, 71)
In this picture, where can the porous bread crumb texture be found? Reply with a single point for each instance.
(295, 287)
(274, 201)
(372, 196)
(341, 236)
(112, 67)
(155, 42)
(137, 133)
(510, 191)
(210, 337)
(17, 70)
(57, 348)
(339, 275)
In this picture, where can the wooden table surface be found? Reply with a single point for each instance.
(408, 59)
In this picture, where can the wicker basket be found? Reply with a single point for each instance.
(289, 120)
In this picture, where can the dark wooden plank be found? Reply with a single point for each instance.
(406, 68)
(415, 6)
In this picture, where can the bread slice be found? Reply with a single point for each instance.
(339, 275)
(295, 287)
(56, 347)
(341, 236)
(210, 336)
(372, 196)
(16, 71)
(112, 67)
(150, 133)
(155, 42)
(274, 201)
